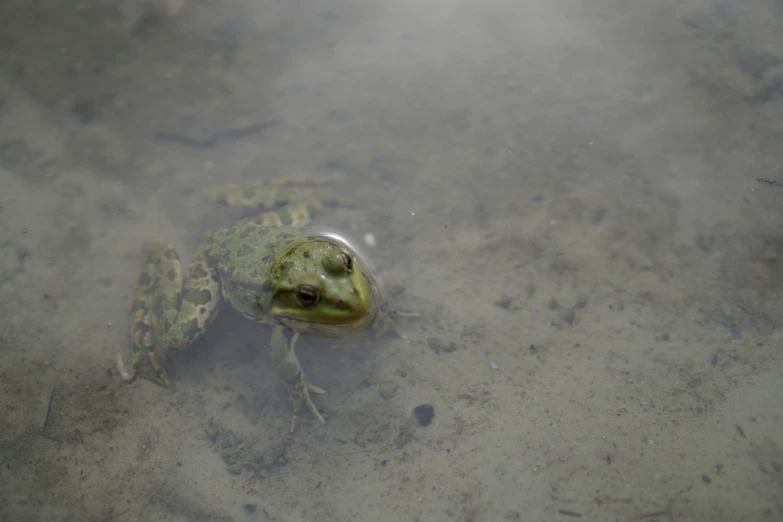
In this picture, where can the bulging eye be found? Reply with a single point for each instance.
(348, 262)
(307, 295)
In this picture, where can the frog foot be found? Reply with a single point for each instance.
(143, 359)
(389, 322)
(300, 392)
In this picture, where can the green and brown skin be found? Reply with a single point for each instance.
(265, 268)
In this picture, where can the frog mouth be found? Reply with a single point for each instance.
(362, 319)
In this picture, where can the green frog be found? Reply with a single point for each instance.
(269, 270)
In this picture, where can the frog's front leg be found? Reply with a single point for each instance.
(389, 321)
(288, 370)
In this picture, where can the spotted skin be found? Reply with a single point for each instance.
(155, 301)
(264, 267)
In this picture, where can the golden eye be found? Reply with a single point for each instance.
(307, 295)
(348, 262)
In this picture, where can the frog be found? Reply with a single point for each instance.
(268, 268)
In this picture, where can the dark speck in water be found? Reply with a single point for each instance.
(423, 415)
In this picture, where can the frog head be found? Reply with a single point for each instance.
(320, 285)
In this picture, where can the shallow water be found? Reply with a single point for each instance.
(565, 190)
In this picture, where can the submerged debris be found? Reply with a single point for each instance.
(769, 181)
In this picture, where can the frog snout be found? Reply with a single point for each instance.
(352, 303)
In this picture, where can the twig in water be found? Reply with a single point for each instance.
(769, 181)
(48, 413)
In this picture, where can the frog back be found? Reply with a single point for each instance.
(243, 255)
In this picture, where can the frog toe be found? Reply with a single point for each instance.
(146, 364)
(301, 393)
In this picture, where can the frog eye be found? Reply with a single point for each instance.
(307, 295)
(348, 262)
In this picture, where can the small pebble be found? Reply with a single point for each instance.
(388, 390)
(423, 415)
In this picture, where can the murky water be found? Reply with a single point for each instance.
(566, 191)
